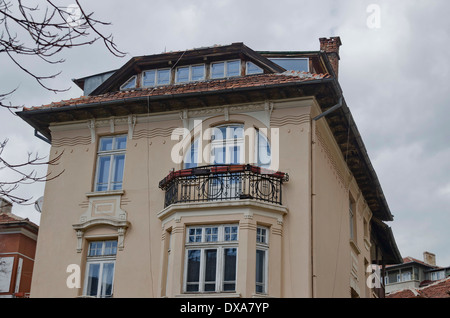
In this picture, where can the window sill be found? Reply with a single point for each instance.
(105, 193)
(355, 247)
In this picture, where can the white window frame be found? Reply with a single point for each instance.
(228, 142)
(101, 260)
(262, 244)
(156, 70)
(220, 245)
(190, 73)
(225, 69)
(132, 78)
(111, 154)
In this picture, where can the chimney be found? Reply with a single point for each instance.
(331, 48)
(5, 206)
(429, 258)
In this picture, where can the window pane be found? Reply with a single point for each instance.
(131, 83)
(261, 235)
(121, 142)
(263, 150)
(93, 278)
(107, 279)
(218, 70)
(103, 173)
(235, 154)
(191, 158)
(211, 234)
(163, 77)
(193, 270)
(182, 74)
(95, 249)
(219, 133)
(195, 235)
(119, 162)
(198, 72)
(260, 270)
(253, 69)
(235, 132)
(233, 68)
(210, 269)
(292, 64)
(231, 233)
(110, 248)
(219, 155)
(149, 78)
(106, 143)
(229, 274)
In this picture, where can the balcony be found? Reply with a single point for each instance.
(223, 182)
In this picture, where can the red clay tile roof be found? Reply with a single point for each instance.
(438, 289)
(7, 218)
(193, 87)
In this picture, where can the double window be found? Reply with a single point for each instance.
(100, 269)
(190, 73)
(110, 163)
(156, 77)
(211, 258)
(226, 69)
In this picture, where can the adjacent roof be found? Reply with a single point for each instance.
(8, 220)
(439, 289)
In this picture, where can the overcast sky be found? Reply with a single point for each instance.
(394, 72)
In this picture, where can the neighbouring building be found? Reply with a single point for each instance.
(18, 238)
(217, 171)
(435, 289)
(413, 273)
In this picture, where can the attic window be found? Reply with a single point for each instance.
(156, 77)
(253, 69)
(226, 69)
(293, 64)
(190, 73)
(131, 83)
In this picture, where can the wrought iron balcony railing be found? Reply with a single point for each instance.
(223, 182)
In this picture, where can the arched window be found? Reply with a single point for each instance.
(227, 147)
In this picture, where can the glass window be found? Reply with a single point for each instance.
(149, 78)
(252, 68)
(100, 268)
(227, 144)
(131, 83)
(182, 74)
(163, 77)
(211, 258)
(233, 68)
(198, 72)
(293, 64)
(260, 271)
(110, 163)
(263, 150)
(218, 70)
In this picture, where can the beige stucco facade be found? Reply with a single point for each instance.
(310, 253)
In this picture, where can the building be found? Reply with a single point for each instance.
(436, 289)
(18, 238)
(218, 171)
(413, 273)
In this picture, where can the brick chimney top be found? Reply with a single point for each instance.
(5, 206)
(331, 47)
(429, 258)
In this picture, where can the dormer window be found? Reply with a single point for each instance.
(190, 73)
(226, 69)
(252, 68)
(131, 83)
(156, 77)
